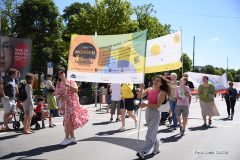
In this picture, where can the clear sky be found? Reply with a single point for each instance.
(214, 23)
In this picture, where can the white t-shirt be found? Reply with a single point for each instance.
(116, 92)
(49, 84)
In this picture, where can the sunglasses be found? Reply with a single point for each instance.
(156, 80)
(59, 73)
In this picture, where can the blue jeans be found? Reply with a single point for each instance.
(173, 105)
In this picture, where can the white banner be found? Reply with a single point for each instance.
(219, 82)
(164, 53)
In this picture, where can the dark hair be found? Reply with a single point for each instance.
(164, 86)
(29, 76)
(205, 77)
(49, 75)
(12, 71)
(40, 99)
(60, 69)
(51, 90)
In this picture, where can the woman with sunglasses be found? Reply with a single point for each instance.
(206, 93)
(74, 116)
(156, 95)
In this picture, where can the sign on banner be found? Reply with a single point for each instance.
(219, 82)
(164, 53)
(107, 58)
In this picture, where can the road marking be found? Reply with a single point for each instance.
(134, 132)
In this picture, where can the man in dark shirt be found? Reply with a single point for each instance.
(230, 98)
(10, 90)
(189, 83)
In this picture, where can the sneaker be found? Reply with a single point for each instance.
(51, 126)
(155, 152)
(141, 157)
(136, 125)
(65, 142)
(117, 120)
(122, 128)
(73, 140)
(204, 125)
(54, 124)
(111, 119)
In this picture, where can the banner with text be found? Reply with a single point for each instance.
(16, 53)
(164, 53)
(107, 58)
(219, 82)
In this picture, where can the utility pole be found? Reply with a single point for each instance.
(193, 53)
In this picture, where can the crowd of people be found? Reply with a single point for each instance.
(64, 95)
(20, 95)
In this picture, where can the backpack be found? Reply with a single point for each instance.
(22, 95)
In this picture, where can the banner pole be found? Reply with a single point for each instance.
(181, 49)
(96, 87)
(141, 101)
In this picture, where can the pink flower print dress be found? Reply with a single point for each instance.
(74, 112)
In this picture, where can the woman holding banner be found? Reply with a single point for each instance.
(74, 116)
(206, 93)
(156, 95)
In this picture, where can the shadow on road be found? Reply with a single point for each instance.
(101, 123)
(200, 128)
(33, 152)
(9, 137)
(170, 139)
(167, 130)
(112, 132)
(223, 119)
(123, 142)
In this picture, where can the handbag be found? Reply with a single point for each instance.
(164, 107)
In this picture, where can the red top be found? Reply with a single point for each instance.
(39, 108)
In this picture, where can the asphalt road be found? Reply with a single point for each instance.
(101, 140)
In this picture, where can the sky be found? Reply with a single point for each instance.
(214, 23)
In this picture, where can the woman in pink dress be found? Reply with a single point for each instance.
(75, 116)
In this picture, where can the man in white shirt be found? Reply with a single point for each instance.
(115, 100)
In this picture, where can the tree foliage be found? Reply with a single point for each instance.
(9, 11)
(40, 21)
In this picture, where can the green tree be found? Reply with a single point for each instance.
(219, 71)
(147, 21)
(208, 69)
(229, 76)
(8, 16)
(40, 21)
(233, 72)
(75, 8)
(237, 78)
(113, 17)
(187, 65)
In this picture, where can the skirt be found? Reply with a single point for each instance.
(209, 109)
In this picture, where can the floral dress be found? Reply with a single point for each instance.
(73, 110)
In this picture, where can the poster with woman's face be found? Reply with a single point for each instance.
(6, 54)
(16, 53)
